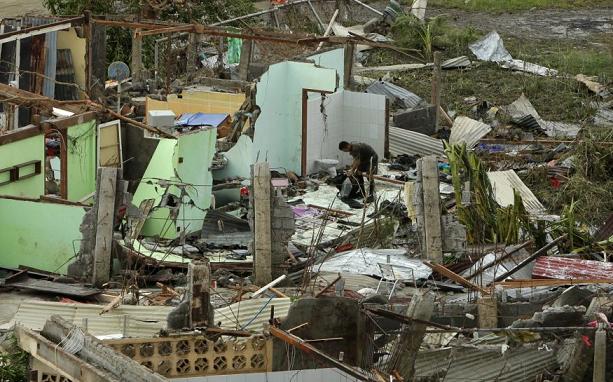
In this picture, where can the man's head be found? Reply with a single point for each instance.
(344, 146)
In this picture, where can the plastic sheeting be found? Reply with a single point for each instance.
(234, 50)
(398, 96)
(491, 48)
(201, 119)
(366, 261)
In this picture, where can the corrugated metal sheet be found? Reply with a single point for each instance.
(457, 62)
(503, 184)
(144, 321)
(561, 129)
(140, 321)
(50, 64)
(561, 268)
(251, 314)
(467, 130)
(470, 364)
(486, 276)
(410, 142)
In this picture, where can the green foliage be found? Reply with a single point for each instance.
(14, 364)
(589, 190)
(119, 40)
(515, 5)
(485, 221)
(412, 33)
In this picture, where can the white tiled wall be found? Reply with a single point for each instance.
(352, 117)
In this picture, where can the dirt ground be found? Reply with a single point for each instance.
(13, 8)
(536, 24)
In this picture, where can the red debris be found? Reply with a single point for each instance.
(561, 268)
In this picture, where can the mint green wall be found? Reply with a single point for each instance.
(38, 234)
(278, 130)
(22, 151)
(183, 160)
(332, 59)
(82, 153)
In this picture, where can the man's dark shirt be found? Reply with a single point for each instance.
(363, 153)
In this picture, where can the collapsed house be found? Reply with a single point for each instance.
(200, 233)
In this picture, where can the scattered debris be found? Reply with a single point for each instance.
(201, 211)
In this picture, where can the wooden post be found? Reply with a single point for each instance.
(405, 351)
(87, 27)
(600, 355)
(348, 67)
(137, 55)
(432, 209)
(199, 273)
(262, 222)
(436, 87)
(105, 205)
(245, 61)
(192, 47)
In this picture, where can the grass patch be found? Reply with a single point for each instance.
(557, 99)
(435, 34)
(593, 59)
(516, 5)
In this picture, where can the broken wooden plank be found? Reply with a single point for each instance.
(455, 277)
(114, 303)
(23, 280)
(329, 286)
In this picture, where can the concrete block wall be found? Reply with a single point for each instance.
(283, 228)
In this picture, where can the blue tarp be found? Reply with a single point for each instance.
(201, 119)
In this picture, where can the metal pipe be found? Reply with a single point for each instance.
(368, 7)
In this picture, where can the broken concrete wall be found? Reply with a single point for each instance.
(283, 228)
(344, 116)
(178, 178)
(328, 317)
(332, 59)
(137, 152)
(278, 135)
(39, 234)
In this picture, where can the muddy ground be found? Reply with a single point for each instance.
(536, 24)
(13, 8)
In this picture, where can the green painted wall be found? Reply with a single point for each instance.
(81, 160)
(184, 160)
(37, 234)
(22, 151)
(278, 130)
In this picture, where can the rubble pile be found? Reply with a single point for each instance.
(246, 199)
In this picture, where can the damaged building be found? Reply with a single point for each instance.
(254, 202)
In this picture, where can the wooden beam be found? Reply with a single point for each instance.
(436, 88)
(40, 29)
(20, 134)
(455, 277)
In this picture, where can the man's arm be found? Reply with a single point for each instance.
(354, 165)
